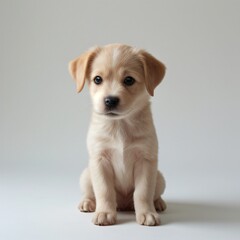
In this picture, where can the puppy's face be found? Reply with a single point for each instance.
(120, 78)
(116, 81)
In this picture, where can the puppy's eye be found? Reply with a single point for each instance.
(98, 80)
(129, 81)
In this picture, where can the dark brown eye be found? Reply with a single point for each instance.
(129, 81)
(98, 80)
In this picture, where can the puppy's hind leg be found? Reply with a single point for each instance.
(88, 203)
(159, 203)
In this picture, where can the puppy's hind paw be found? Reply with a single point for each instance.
(160, 205)
(87, 205)
(104, 218)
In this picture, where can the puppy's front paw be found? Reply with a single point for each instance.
(104, 218)
(87, 205)
(148, 219)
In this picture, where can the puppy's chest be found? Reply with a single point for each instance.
(125, 151)
(123, 158)
(124, 143)
(123, 147)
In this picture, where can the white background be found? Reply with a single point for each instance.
(44, 122)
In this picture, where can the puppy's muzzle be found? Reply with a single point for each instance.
(111, 102)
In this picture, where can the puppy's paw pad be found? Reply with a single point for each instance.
(104, 218)
(160, 205)
(148, 219)
(87, 205)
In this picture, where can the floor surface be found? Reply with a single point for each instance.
(45, 207)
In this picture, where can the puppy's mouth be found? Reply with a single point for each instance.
(111, 114)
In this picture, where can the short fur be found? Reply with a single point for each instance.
(122, 142)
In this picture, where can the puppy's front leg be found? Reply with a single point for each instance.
(145, 173)
(103, 185)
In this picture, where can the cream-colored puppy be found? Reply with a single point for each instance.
(122, 142)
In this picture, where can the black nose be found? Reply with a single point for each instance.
(111, 102)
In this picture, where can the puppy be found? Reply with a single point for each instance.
(122, 142)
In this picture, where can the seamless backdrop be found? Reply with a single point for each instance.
(43, 123)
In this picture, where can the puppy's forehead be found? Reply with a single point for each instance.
(116, 57)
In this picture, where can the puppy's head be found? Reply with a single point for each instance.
(120, 78)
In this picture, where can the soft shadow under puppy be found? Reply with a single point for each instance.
(196, 212)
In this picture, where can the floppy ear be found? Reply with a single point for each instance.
(79, 67)
(154, 71)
